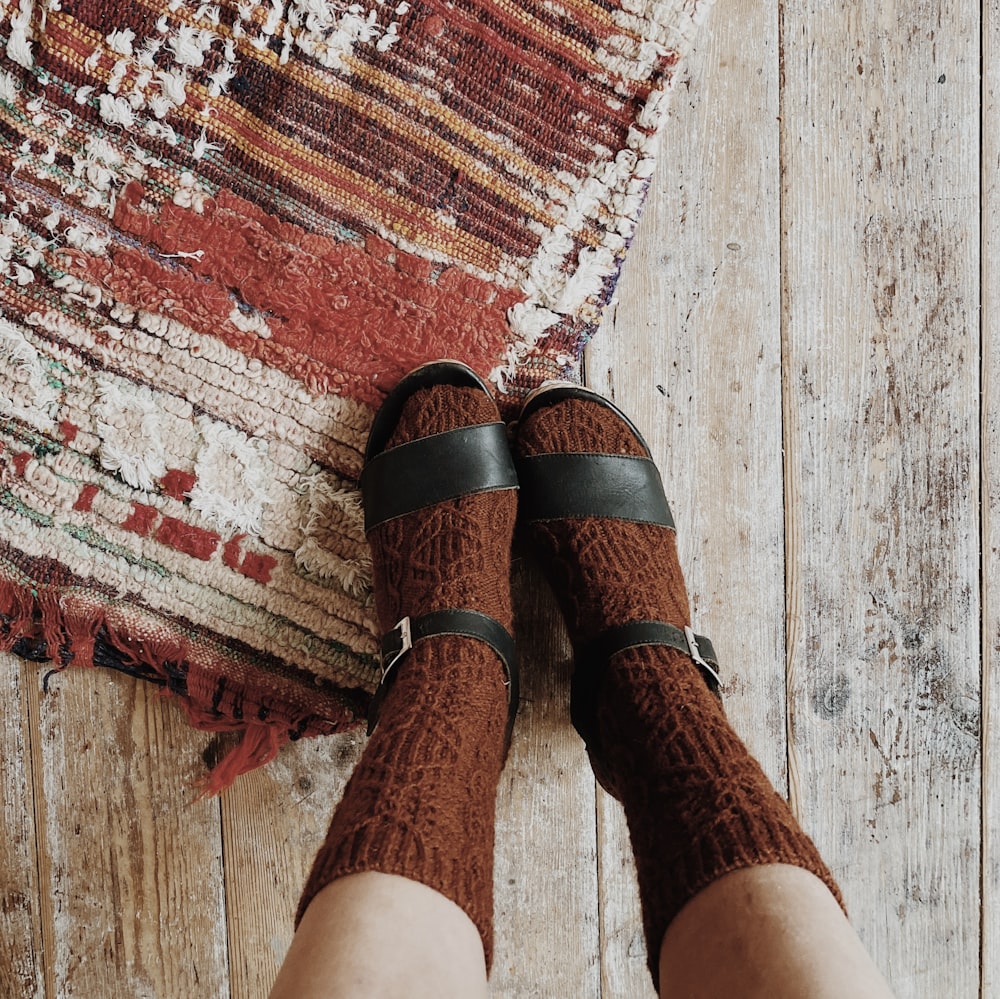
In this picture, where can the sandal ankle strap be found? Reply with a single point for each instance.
(397, 642)
(591, 664)
(629, 636)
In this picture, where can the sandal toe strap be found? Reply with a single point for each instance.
(468, 624)
(434, 469)
(616, 486)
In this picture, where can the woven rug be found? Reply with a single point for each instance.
(226, 230)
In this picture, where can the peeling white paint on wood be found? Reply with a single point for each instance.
(881, 175)
(991, 500)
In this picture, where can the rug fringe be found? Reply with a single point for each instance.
(71, 629)
(259, 746)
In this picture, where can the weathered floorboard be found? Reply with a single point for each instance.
(695, 358)
(273, 822)
(21, 951)
(130, 867)
(547, 929)
(880, 222)
(990, 325)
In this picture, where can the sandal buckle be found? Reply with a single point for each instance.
(395, 645)
(695, 654)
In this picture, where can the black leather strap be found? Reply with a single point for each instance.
(591, 664)
(468, 624)
(433, 469)
(620, 487)
(637, 633)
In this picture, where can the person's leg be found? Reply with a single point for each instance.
(698, 805)
(380, 935)
(420, 804)
(767, 932)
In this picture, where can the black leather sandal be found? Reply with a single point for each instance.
(422, 473)
(559, 486)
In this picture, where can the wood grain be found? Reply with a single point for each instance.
(695, 359)
(131, 868)
(880, 211)
(273, 822)
(990, 325)
(547, 928)
(694, 356)
(807, 276)
(21, 951)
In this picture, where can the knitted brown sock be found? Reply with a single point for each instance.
(421, 801)
(698, 805)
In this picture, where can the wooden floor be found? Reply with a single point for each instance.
(807, 330)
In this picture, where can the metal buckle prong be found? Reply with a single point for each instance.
(392, 656)
(695, 654)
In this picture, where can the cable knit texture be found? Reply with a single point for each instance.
(698, 805)
(421, 802)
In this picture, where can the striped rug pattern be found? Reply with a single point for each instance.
(226, 230)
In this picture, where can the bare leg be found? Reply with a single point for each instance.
(378, 935)
(769, 932)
